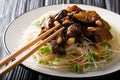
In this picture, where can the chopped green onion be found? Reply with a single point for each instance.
(38, 23)
(45, 49)
(91, 57)
(105, 43)
(45, 62)
(95, 55)
(109, 59)
(76, 68)
(88, 57)
(106, 53)
(57, 59)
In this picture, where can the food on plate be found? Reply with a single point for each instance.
(86, 43)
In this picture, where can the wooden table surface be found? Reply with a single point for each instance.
(10, 9)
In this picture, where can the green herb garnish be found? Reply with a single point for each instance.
(93, 55)
(76, 68)
(38, 23)
(45, 49)
(104, 43)
(106, 53)
(45, 62)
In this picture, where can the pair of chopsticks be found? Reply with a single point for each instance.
(26, 47)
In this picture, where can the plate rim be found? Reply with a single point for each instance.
(8, 51)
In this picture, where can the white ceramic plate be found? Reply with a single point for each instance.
(14, 32)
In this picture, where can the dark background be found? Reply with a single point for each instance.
(10, 9)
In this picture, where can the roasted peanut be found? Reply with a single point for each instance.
(68, 9)
(66, 21)
(70, 41)
(56, 23)
(59, 40)
(91, 29)
(52, 16)
(98, 22)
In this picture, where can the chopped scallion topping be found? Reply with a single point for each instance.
(45, 49)
(76, 68)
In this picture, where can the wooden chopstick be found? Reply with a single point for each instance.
(42, 36)
(18, 61)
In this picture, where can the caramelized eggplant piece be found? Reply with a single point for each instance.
(99, 35)
(102, 34)
(74, 30)
(59, 50)
(105, 25)
(51, 22)
(61, 15)
(87, 16)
